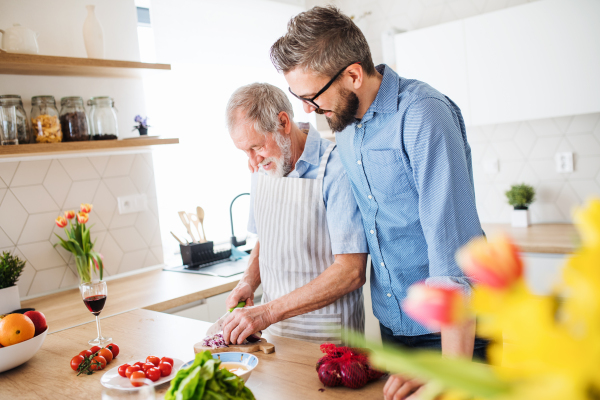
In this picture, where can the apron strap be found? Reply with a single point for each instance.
(324, 160)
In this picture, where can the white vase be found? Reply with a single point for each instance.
(520, 218)
(93, 36)
(9, 299)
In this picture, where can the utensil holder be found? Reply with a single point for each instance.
(196, 254)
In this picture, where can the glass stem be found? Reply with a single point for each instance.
(98, 326)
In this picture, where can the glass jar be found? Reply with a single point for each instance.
(103, 118)
(24, 134)
(44, 120)
(73, 120)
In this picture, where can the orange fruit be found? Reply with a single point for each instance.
(15, 328)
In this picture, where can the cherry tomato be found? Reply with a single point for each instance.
(86, 353)
(75, 361)
(167, 359)
(98, 363)
(137, 378)
(153, 374)
(114, 349)
(139, 364)
(106, 354)
(122, 369)
(147, 366)
(153, 359)
(165, 368)
(131, 369)
(95, 349)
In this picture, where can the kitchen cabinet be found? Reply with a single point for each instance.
(533, 61)
(543, 271)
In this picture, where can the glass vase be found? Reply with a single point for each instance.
(84, 269)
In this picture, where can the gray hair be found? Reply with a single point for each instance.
(323, 40)
(261, 104)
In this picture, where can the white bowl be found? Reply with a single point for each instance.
(249, 360)
(17, 354)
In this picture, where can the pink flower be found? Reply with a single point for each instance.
(61, 221)
(82, 217)
(86, 208)
(70, 214)
(434, 306)
(495, 263)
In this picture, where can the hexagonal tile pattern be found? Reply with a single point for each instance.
(47, 280)
(79, 169)
(583, 123)
(81, 192)
(112, 254)
(585, 145)
(128, 239)
(30, 173)
(12, 216)
(41, 255)
(133, 260)
(7, 171)
(38, 228)
(35, 199)
(118, 165)
(57, 182)
(141, 174)
(567, 200)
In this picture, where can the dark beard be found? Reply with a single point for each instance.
(346, 115)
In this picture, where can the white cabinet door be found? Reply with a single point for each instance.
(436, 56)
(199, 312)
(543, 271)
(216, 306)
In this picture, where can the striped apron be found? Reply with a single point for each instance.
(294, 249)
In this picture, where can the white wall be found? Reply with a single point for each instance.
(213, 47)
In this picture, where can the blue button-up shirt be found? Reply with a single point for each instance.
(344, 220)
(410, 167)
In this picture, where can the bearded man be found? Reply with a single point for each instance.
(404, 147)
(311, 251)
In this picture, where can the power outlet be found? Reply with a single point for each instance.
(133, 203)
(564, 162)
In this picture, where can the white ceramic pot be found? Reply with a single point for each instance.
(93, 35)
(17, 354)
(9, 299)
(19, 39)
(520, 218)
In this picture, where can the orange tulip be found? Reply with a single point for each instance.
(82, 217)
(61, 222)
(70, 214)
(86, 208)
(495, 263)
(434, 306)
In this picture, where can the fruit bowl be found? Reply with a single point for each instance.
(17, 354)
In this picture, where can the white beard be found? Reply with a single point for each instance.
(283, 166)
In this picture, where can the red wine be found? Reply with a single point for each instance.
(95, 303)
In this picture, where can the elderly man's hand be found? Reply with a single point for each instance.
(399, 387)
(242, 322)
(252, 166)
(242, 292)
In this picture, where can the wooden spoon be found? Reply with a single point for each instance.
(200, 213)
(194, 220)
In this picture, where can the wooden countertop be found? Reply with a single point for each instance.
(156, 290)
(289, 373)
(540, 238)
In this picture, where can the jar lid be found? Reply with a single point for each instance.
(97, 100)
(69, 99)
(10, 96)
(10, 99)
(37, 100)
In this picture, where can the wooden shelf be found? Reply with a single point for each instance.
(91, 145)
(31, 64)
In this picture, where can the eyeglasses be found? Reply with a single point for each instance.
(311, 102)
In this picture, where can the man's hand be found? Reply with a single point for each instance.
(242, 292)
(243, 322)
(252, 167)
(399, 387)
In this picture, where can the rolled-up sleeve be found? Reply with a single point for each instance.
(344, 220)
(447, 210)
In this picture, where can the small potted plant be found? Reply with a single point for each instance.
(142, 125)
(79, 243)
(11, 268)
(520, 197)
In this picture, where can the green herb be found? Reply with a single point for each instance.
(11, 268)
(204, 380)
(86, 365)
(520, 196)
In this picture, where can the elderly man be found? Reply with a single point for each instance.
(311, 251)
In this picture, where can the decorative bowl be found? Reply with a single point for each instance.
(250, 361)
(17, 354)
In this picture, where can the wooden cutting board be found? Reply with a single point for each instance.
(261, 345)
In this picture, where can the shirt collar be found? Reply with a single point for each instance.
(312, 146)
(386, 100)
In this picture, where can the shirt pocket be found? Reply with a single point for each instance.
(386, 172)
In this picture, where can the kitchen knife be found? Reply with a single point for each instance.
(218, 326)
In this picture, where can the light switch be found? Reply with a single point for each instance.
(133, 203)
(564, 162)
(490, 166)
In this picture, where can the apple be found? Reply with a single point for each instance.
(39, 321)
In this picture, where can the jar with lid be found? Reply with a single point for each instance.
(44, 120)
(103, 118)
(73, 119)
(24, 134)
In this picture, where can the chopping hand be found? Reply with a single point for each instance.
(218, 326)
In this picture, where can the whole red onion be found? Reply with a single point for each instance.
(329, 374)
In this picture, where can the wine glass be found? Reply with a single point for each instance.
(94, 297)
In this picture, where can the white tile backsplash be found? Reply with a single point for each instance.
(582, 124)
(585, 145)
(38, 191)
